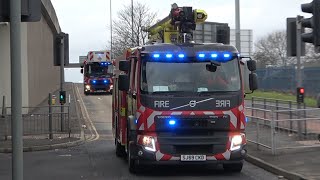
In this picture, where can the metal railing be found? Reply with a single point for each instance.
(38, 121)
(283, 129)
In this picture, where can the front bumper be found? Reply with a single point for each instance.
(99, 88)
(145, 157)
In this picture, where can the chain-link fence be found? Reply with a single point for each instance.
(284, 79)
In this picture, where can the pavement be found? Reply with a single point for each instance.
(36, 124)
(293, 163)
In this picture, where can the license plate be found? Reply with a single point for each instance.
(193, 158)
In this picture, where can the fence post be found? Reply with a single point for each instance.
(258, 133)
(290, 114)
(50, 116)
(305, 118)
(273, 145)
(277, 113)
(69, 120)
(4, 115)
(265, 107)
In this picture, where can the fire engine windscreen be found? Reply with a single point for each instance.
(98, 69)
(189, 77)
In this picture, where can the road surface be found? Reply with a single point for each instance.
(96, 160)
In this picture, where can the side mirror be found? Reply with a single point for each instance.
(211, 67)
(123, 82)
(124, 65)
(81, 71)
(253, 81)
(252, 65)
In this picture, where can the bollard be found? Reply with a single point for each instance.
(50, 116)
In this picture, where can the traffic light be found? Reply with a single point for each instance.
(313, 22)
(30, 10)
(62, 97)
(300, 95)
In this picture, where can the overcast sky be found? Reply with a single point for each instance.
(87, 21)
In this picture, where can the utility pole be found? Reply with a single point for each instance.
(238, 44)
(16, 89)
(111, 53)
(132, 36)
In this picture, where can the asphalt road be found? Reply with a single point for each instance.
(96, 160)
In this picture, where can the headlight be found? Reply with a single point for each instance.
(236, 142)
(88, 87)
(111, 86)
(149, 143)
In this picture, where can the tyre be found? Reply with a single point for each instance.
(132, 163)
(234, 167)
(120, 151)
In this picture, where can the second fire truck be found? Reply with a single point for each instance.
(97, 72)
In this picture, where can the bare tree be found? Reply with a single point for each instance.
(122, 31)
(272, 49)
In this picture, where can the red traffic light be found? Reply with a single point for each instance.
(301, 90)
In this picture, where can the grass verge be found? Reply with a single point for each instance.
(311, 102)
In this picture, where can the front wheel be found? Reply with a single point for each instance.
(234, 167)
(120, 151)
(132, 163)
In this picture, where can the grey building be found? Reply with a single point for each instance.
(206, 33)
(39, 75)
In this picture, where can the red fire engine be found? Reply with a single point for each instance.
(97, 72)
(181, 103)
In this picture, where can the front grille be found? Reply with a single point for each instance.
(193, 135)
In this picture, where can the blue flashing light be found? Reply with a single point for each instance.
(214, 55)
(136, 121)
(201, 55)
(156, 55)
(105, 81)
(169, 55)
(181, 55)
(172, 122)
(94, 81)
(247, 119)
(226, 55)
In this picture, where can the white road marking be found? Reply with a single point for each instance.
(88, 117)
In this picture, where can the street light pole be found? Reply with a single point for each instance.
(16, 89)
(111, 53)
(132, 36)
(238, 44)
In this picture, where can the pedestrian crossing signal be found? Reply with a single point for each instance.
(62, 97)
